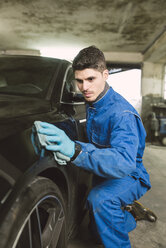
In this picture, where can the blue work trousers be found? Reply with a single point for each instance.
(105, 202)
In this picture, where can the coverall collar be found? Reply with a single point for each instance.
(103, 97)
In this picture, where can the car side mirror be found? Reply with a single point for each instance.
(76, 97)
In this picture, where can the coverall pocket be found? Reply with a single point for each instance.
(100, 140)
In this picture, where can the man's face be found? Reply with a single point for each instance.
(91, 82)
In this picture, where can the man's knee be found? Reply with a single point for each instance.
(99, 197)
(93, 198)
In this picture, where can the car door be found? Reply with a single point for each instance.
(72, 103)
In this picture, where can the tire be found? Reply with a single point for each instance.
(37, 218)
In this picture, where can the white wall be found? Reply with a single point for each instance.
(128, 84)
(152, 79)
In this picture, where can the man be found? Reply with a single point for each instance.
(114, 153)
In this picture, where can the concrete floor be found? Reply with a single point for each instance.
(147, 234)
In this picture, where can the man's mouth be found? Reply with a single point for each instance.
(87, 94)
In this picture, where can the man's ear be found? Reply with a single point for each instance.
(105, 74)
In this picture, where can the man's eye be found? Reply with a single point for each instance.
(91, 79)
(79, 81)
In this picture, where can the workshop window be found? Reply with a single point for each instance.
(127, 82)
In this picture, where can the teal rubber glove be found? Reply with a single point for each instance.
(61, 142)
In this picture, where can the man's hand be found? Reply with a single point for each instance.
(60, 142)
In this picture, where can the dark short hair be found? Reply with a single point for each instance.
(89, 57)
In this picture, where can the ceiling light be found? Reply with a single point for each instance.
(60, 52)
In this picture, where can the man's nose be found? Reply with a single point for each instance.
(85, 85)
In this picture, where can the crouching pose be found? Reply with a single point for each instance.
(116, 142)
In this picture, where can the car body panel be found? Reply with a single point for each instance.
(18, 110)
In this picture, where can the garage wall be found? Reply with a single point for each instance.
(152, 89)
(152, 79)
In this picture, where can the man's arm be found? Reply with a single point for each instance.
(120, 159)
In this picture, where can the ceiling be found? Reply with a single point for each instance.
(117, 26)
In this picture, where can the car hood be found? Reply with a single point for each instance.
(12, 106)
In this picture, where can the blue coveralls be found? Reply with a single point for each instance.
(114, 154)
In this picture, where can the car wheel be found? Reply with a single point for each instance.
(37, 218)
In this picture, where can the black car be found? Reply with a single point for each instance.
(42, 203)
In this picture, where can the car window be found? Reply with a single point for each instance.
(25, 75)
(70, 87)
